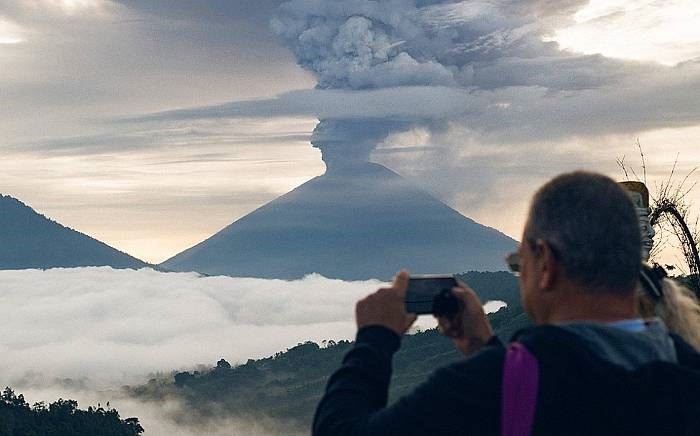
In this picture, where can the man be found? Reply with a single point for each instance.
(601, 369)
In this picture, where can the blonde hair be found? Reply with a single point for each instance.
(678, 309)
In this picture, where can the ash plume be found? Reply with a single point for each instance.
(345, 143)
(472, 46)
(362, 44)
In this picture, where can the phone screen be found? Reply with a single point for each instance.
(422, 291)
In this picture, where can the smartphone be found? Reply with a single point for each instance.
(431, 294)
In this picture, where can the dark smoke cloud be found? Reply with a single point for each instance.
(360, 44)
(333, 138)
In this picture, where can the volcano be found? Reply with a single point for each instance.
(358, 221)
(30, 240)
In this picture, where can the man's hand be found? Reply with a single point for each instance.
(469, 328)
(386, 307)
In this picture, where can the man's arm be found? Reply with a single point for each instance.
(459, 399)
(356, 396)
(360, 387)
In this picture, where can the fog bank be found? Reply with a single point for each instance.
(83, 333)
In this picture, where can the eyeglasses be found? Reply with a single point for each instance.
(513, 261)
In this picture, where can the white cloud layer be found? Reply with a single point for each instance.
(82, 333)
(102, 328)
(105, 323)
(110, 324)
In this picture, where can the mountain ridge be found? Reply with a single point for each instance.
(361, 222)
(29, 239)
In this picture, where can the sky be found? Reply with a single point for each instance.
(151, 124)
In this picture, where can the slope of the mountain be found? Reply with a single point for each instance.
(360, 222)
(30, 240)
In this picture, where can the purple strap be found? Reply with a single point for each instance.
(521, 375)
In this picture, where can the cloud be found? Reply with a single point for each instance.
(410, 103)
(83, 333)
(167, 417)
(217, 11)
(188, 137)
(104, 323)
(108, 59)
(361, 44)
(609, 28)
(107, 324)
(485, 66)
(10, 33)
(519, 113)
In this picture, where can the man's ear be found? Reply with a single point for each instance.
(547, 264)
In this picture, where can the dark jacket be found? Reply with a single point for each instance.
(593, 381)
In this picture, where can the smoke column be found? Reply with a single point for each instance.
(346, 143)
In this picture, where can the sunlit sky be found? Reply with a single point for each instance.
(70, 70)
(648, 30)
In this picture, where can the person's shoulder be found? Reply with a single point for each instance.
(557, 347)
(546, 339)
(490, 358)
(539, 337)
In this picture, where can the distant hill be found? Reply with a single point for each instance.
(356, 223)
(288, 385)
(30, 240)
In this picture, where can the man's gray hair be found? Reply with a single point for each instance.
(590, 223)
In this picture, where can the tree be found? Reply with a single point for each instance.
(223, 364)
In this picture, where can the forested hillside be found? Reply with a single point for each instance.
(62, 417)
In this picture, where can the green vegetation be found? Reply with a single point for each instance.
(60, 418)
(288, 385)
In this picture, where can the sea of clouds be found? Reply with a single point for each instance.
(82, 333)
(121, 323)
